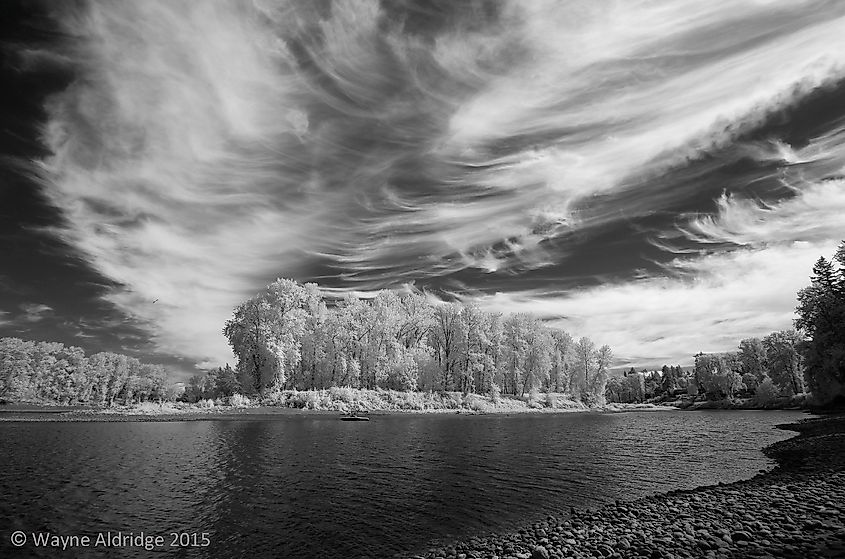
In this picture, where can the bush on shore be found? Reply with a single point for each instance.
(769, 403)
(345, 399)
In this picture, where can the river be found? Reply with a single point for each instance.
(312, 486)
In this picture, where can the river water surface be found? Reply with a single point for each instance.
(313, 486)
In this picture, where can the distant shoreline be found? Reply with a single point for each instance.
(341, 401)
(42, 413)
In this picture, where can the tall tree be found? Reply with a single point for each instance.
(16, 366)
(784, 360)
(821, 317)
(716, 374)
(537, 362)
(445, 338)
(249, 335)
(265, 334)
(752, 357)
(562, 357)
(604, 358)
(585, 356)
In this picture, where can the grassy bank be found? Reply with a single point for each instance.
(334, 400)
(796, 511)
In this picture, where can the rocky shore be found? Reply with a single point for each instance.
(797, 510)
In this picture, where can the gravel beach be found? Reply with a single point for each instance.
(796, 510)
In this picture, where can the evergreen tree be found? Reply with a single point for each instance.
(821, 317)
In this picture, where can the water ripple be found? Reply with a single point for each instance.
(315, 487)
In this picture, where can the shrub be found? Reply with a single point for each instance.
(239, 401)
(403, 373)
(589, 399)
(568, 403)
(397, 400)
(766, 393)
(274, 398)
(455, 400)
(495, 393)
(692, 388)
(342, 393)
(296, 399)
(205, 404)
(407, 400)
(476, 403)
(750, 381)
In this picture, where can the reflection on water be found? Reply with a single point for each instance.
(312, 486)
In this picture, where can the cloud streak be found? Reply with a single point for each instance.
(34, 312)
(206, 148)
(710, 300)
(655, 320)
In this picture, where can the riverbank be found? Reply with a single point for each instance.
(797, 510)
(797, 402)
(333, 401)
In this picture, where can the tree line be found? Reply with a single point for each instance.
(766, 367)
(51, 371)
(771, 366)
(634, 386)
(289, 337)
(810, 358)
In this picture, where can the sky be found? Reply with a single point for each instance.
(657, 175)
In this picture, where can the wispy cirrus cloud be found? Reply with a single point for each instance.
(656, 320)
(708, 300)
(206, 148)
(34, 312)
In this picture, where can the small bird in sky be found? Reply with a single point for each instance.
(154, 302)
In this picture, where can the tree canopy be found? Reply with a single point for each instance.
(289, 337)
(51, 371)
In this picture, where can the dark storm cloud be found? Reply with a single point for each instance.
(568, 158)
